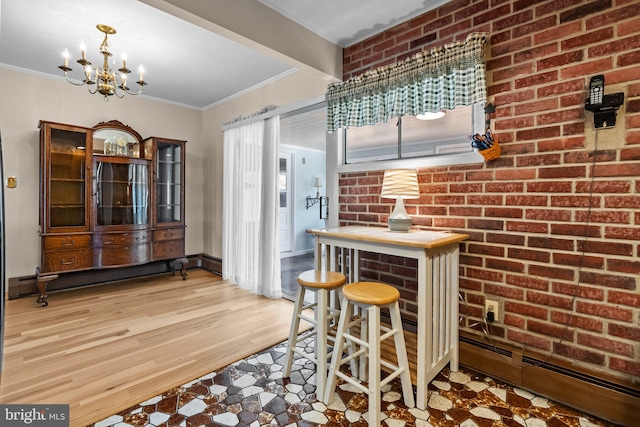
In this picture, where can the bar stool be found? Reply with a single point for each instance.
(322, 283)
(371, 297)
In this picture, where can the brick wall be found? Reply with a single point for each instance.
(563, 264)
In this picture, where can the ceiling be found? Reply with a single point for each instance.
(184, 63)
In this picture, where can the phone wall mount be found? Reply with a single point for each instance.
(604, 113)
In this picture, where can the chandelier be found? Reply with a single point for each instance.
(107, 82)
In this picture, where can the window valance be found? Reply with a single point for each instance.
(441, 78)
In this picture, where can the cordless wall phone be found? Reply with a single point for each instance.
(604, 107)
(596, 90)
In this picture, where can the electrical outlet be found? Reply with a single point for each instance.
(494, 307)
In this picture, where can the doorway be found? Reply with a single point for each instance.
(285, 213)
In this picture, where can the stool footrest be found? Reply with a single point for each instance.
(351, 381)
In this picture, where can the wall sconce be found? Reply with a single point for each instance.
(324, 200)
(400, 184)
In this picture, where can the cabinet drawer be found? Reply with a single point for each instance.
(122, 255)
(55, 261)
(68, 241)
(119, 239)
(168, 234)
(168, 249)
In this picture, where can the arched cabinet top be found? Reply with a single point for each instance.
(116, 138)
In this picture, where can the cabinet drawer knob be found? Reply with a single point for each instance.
(69, 242)
(107, 242)
(72, 261)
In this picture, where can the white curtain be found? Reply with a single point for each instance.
(250, 246)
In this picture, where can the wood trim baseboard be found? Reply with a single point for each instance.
(604, 399)
(26, 285)
(211, 264)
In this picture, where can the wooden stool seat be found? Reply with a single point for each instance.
(321, 279)
(370, 297)
(371, 293)
(322, 283)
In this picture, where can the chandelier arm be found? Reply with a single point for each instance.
(74, 83)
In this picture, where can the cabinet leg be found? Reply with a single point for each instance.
(179, 263)
(42, 282)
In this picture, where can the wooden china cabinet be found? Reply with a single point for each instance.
(108, 199)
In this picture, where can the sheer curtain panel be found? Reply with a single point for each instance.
(250, 246)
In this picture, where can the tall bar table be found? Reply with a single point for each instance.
(437, 253)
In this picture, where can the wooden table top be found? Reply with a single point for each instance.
(413, 238)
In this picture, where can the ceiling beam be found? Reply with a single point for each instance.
(254, 25)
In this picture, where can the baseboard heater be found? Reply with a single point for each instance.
(614, 402)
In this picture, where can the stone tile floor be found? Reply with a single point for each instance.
(252, 392)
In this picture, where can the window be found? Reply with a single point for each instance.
(442, 141)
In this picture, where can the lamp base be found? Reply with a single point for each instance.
(399, 224)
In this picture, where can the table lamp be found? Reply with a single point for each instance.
(400, 184)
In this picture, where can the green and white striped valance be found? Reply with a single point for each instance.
(442, 78)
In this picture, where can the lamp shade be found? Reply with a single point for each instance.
(401, 183)
(317, 182)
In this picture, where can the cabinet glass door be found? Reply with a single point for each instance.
(168, 185)
(122, 193)
(67, 183)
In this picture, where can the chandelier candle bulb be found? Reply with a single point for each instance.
(141, 69)
(65, 54)
(83, 50)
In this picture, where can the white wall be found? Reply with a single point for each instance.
(25, 99)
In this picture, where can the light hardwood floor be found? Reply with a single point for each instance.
(104, 348)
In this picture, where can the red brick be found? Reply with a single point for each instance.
(581, 230)
(516, 174)
(581, 260)
(536, 79)
(562, 172)
(575, 201)
(624, 298)
(486, 249)
(628, 27)
(537, 51)
(548, 214)
(622, 233)
(558, 32)
(530, 255)
(527, 282)
(513, 320)
(585, 10)
(587, 39)
(581, 291)
(610, 248)
(597, 66)
(603, 187)
(539, 160)
(482, 274)
(550, 330)
(626, 366)
(630, 154)
(549, 300)
(627, 59)
(527, 227)
(617, 170)
(505, 265)
(528, 339)
(579, 354)
(561, 143)
(622, 331)
(610, 217)
(561, 88)
(551, 272)
(608, 280)
(526, 201)
(615, 15)
(604, 310)
(574, 320)
(549, 243)
(526, 309)
(514, 97)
